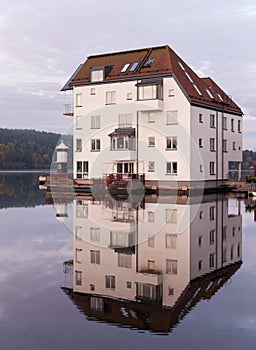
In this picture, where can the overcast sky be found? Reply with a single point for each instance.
(43, 41)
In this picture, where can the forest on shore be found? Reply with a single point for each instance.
(26, 149)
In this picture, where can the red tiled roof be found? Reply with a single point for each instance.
(165, 62)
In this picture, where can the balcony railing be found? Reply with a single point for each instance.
(68, 109)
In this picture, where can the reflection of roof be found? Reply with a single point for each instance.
(155, 62)
(123, 132)
(150, 315)
(61, 146)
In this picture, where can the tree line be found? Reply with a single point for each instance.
(26, 149)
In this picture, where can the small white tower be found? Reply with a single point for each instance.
(62, 157)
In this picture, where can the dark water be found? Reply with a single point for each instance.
(213, 308)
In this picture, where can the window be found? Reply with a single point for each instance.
(125, 120)
(110, 282)
(129, 96)
(200, 241)
(239, 126)
(212, 213)
(211, 260)
(234, 146)
(200, 264)
(200, 142)
(212, 144)
(95, 257)
(134, 66)
(93, 91)
(172, 118)
(151, 241)
(97, 74)
(212, 168)
(212, 120)
(172, 266)
(212, 237)
(78, 100)
(82, 169)
(110, 97)
(171, 216)
(78, 255)
(224, 145)
(95, 234)
(78, 275)
(151, 216)
(78, 122)
(151, 166)
(125, 67)
(78, 232)
(171, 92)
(124, 260)
(151, 141)
(224, 123)
(95, 121)
(151, 117)
(171, 168)
(78, 145)
(171, 143)
(171, 240)
(200, 118)
(95, 145)
(232, 125)
(122, 143)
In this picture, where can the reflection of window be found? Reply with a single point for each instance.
(239, 125)
(151, 141)
(171, 216)
(171, 240)
(95, 257)
(224, 123)
(147, 291)
(78, 276)
(151, 117)
(78, 122)
(82, 209)
(232, 252)
(212, 120)
(78, 255)
(110, 97)
(151, 241)
(200, 240)
(172, 266)
(110, 282)
(200, 142)
(95, 121)
(232, 125)
(121, 239)
(151, 216)
(96, 304)
(171, 142)
(201, 215)
(212, 144)
(200, 118)
(151, 264)
(172, 118)
(78, 232)
(170, 290)
(233, 231)
(124, 260)
(82, 170)
(129, 285)
(212, 213)
(95, 145)
(212, 168)
(224, 145)
(224, 255)
(200, 263)
(224, 233)
(212, 236)
(95, 234)
(171, 168)
(211, 260)
(238, 250)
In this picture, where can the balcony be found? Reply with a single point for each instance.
(68, 109)
(151, 105)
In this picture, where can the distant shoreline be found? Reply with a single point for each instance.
(35, 171)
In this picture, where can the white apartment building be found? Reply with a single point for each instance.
(146, 114)
(163, 257)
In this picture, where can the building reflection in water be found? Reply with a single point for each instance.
(146, 266)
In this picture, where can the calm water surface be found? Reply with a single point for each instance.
(167, 298)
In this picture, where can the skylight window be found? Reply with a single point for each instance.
(188, 76)
(220, 97)
(125, 67)
(134, 66)
(209, 93)
(181, 65)
(198, 91)
(149, 62)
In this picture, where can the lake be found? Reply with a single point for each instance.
(155, 272)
